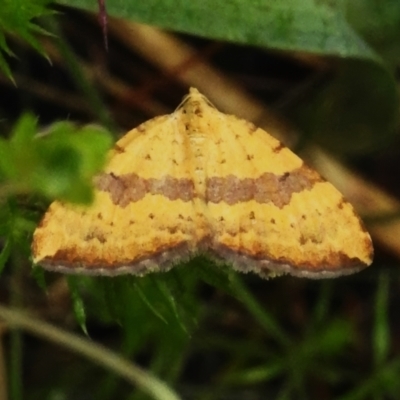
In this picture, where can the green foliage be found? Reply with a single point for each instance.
(77, 302)
(288, 24)
(164, 318)
(5, 253)
(379, 23)
(58, 164)
(16, 225)
(361, 34)
(16, 17)
(164, 300)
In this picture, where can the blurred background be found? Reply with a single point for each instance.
(322, 77)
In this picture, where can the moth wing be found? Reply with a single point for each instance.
(272, 214)
(127, 229)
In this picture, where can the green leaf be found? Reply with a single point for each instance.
(24, 131)
(358, 111)
(5, 219)
(381, 334)
(332, 338)
(170, 300)
(39, 275)
(148, 302)
(16, 18)
(69, 159)
(59, 164)
(4, 45)
(307, 25)
(5, 253)
(255, 375)
(379, 23)
(3, 63)
(212, 272)
(77, 302)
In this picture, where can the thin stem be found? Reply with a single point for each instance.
(16, 342)
(98, 354)
(3, 376)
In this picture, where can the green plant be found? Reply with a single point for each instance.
(280, 339)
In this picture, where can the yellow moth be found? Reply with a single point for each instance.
(200, 181)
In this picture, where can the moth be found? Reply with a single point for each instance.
(200, 181)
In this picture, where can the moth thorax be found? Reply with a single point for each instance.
(197, 142)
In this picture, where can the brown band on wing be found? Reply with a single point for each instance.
(327, 267)
(268, 188)
(128, 188)
(69, 261)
